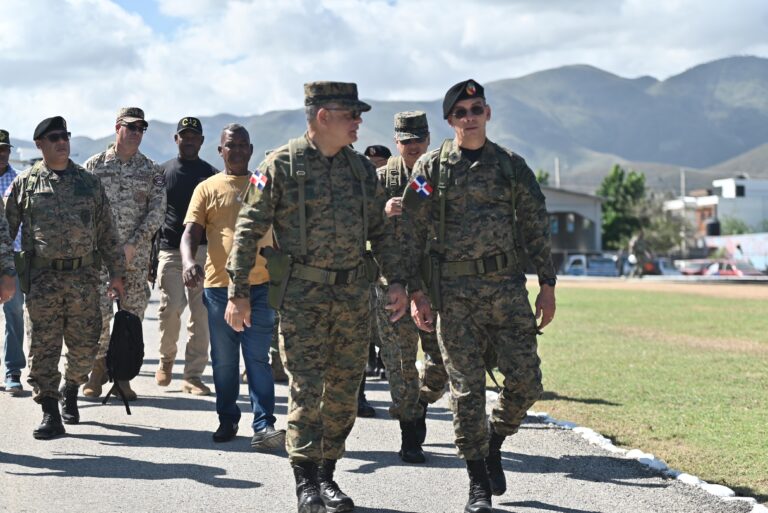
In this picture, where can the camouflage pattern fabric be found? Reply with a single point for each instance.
(433, 376)
(6, 243)
(70, 217)
(137, 191)
(137, 293)
(323, 327)
(482, 309)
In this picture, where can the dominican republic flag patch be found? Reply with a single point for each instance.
(421, 186)
(259, 180)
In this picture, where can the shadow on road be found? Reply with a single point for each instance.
(541, 506)
(548, 395)
(116, 467)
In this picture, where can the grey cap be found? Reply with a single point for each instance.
(342, 93)
(131, 115)
(411, 125)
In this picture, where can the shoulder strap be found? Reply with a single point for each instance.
(358, 169)
(505, 163)
(26, 203)
(444, 181)
(392, 176)
(298, 171)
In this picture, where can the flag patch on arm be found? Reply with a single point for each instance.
(421, 186)
(259, 180)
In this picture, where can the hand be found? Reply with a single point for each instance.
(116, 289)
(193, 275)
(394, 207)
(238, 313)
(130, 252)
(397, 301)
(7, 288)
(545, 305)
(421, 312)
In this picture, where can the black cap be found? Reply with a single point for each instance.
(48, 125)
(189, 123)
(5, 138)
(461, 91)
(377, 150)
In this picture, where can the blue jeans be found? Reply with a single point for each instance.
(13, 352)
(225, 357)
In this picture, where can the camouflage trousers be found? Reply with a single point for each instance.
(477, 311)
(324, 347)
(135, 301)
(61, 306)
(433, 376)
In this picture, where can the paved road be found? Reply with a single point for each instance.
(162, 459)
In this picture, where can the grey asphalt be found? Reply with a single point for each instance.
(162, 459)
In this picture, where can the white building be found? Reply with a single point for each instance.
(575, 222)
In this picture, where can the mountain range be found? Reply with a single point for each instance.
(711, 120)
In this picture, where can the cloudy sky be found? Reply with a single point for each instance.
(85, 58)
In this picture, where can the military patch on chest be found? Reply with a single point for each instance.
(159, 180)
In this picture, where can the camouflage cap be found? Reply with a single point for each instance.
(130, 115)
(48, 125)
(461, 91)
(411, 125)
(341, 93)
(189, 123)
(5, 138)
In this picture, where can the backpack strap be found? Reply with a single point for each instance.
(392, 176)
(358, 169)
(444, 181)
(298, 171)
(26, 204)
(508, 171)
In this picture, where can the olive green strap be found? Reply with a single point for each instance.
(299, 173)
(358, 169)
(442, 187)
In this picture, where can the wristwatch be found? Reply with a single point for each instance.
(548, 281)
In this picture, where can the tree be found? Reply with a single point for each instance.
(665, 231)
(623, 193)
(542, 177)
(733, 226)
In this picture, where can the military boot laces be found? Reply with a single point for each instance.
(51, 425)
(410, 448)
(69, 411)
(335, 500)
(479, 488)
(493, 464)
(307, 489)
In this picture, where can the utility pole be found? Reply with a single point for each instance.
(557, 172)
(682, 183)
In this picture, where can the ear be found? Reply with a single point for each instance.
(220, 153)
(202, 139)
(176, 138)
(487, 112)
(37, 144)
(322, 116)
(117, 127)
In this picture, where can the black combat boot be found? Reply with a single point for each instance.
(307, 489)
(51, 426)
(493, 464)
(364, 408)
(410, 448)
(479, 488)
(421, 423)
(69, 412)
(335, 500)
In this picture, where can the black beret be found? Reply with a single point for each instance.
(377, 150)
(461, 91)
(48, 125)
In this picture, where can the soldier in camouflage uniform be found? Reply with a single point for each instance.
(67, 232)
(324, 313)
(7, 267)
(135, 186)
(399, 341)
(488, 195)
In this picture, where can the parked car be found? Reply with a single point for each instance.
(693, 267)
(732, 268)
(660, 266)
(590, 265)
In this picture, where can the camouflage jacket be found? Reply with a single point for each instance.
(479, 221)
(69, 216)
(394, 176)
(6, 245)
(136, 190)
(334, 215)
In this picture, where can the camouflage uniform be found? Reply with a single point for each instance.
(323, 327)
(488, 308)
(6, 246)
(69, 218)
(137, 191)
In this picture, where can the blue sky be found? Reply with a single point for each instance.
(173, 57)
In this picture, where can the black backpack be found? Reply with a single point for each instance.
(126, 352)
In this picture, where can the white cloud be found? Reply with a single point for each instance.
(85, 58)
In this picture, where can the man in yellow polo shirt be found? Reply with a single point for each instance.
(213, 209)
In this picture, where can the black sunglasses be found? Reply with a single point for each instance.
(55, 137)
(135, 128)
(353, 113)
(417, 140)
(461, 112)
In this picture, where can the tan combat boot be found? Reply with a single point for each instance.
(125, 386)
(97, 378)
(164, 373)
(195, 386)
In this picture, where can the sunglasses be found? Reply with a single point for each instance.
(55, 137)
(418, 140)
(354, 114)
(136, 128)
(461, 112)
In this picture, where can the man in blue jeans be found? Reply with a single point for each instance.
(213, 210)
(13, 347)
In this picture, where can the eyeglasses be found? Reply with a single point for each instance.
(55, 137)
(418, 140)
(354, 114)
(135, 128)
(461, 112)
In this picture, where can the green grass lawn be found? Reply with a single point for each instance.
(682, 376)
